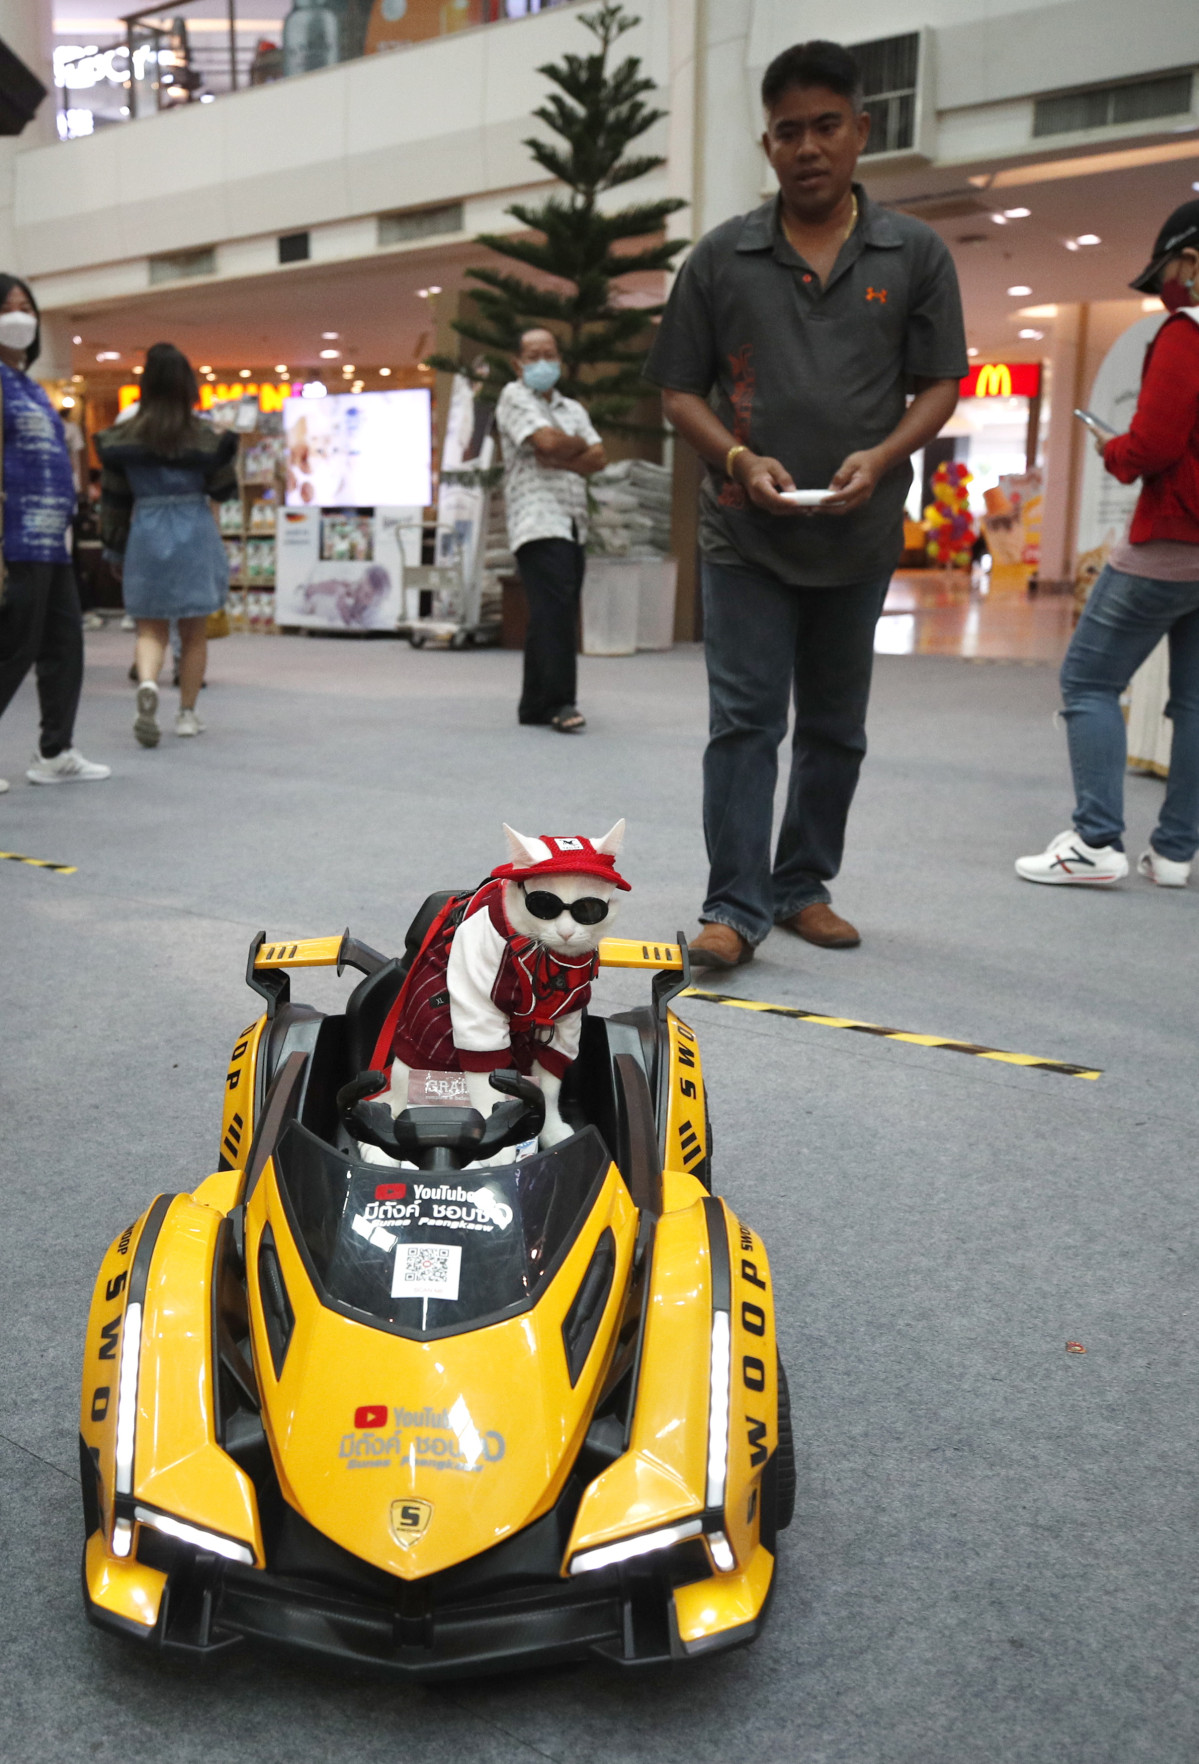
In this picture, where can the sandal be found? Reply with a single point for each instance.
(568, 721)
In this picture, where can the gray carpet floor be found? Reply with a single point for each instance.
(993, 1559)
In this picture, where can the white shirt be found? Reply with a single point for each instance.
(476, 955)
(540, 503)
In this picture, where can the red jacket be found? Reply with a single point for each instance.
(1162, 445)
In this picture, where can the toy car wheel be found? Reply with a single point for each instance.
(784, 1471)
(416, 639)
(460, 640)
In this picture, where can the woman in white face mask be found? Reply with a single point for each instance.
(40, 619)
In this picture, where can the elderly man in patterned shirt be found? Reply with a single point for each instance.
(549, 447)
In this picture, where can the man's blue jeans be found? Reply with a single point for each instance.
(764, 641)
(1123, 622)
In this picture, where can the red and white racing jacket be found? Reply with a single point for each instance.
(481, 996)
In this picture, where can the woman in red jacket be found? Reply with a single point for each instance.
(1149, 590)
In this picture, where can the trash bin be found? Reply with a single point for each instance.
(655, 609)
(611, 601)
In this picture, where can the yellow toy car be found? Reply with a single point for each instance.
(432, 1418)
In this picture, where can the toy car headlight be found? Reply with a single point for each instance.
(627, 1547)
(195, 1535)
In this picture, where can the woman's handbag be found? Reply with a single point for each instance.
(218, 623)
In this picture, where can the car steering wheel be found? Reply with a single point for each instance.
(442, 1138)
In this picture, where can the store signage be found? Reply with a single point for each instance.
(79, 67)
(271, 394)
(1003, 379)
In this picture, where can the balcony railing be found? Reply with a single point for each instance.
(195, 51)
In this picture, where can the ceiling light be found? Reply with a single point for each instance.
(1070, 244)
(68, 403)
(330, 354)
(972, 352)
(1193, 187)
(1035, 335)
(434, 289)
(280, 369)
(1049, 311)
(109, 355)
(210, 375)
(999, 220)
(80, 339)
(1019, 289)
(357, 386)
(243, 373)
(1152, 304)
(349, 368)
(77, 379)
(1089, 239)
(330, 336)
(1017, 213)
(385, 372)
(138, 370)
(207, 368)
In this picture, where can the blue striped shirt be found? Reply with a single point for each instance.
(39, 484)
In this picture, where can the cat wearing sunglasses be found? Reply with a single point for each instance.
(505, 972)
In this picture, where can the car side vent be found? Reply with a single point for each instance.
(581, 1322)
(276, 1306)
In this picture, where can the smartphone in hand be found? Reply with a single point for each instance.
(1101, 430)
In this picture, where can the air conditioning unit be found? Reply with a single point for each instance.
(898, 76)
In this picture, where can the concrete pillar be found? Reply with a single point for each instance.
(1068, 378)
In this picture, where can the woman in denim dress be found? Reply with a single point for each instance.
(160, 471)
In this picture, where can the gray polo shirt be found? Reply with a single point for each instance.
(809, 374)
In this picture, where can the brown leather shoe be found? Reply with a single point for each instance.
(820, 925)
(719, 946)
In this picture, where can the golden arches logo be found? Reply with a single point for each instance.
(994, 380)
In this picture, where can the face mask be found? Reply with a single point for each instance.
(17, 329)
(1173, 295)
(540, 376)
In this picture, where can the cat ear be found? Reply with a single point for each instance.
(524, 852)
(612, 840)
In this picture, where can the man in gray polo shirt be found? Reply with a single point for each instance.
(789, 345)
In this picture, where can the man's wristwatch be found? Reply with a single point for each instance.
(730, 456)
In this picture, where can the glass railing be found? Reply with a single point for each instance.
(195, 51)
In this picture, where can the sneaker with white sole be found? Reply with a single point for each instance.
(188, 723)
(1166, 872)
(67, 767)
(145, 723)
(1069, 860)
(3, 785)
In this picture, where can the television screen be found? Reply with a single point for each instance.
(365, 449)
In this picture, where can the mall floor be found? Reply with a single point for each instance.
(994, 1556)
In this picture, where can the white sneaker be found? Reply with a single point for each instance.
(1067, 859)
(92, 622)
(67, 767)
(1166, 872)
(145, 723)
(188, 723)
(3, 785)
(128, 624)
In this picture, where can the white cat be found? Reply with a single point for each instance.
(508, 985)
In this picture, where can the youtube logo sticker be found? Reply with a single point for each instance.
(371, 1415)
(391, 1191)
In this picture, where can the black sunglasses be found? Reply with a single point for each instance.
(543, 905)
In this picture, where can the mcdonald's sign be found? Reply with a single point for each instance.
(1003, 379)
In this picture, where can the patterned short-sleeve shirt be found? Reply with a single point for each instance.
(540, 502)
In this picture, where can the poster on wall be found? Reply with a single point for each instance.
(467, 455)
(342, 568)
(370, 449)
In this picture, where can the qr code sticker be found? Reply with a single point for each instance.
(427, 1270)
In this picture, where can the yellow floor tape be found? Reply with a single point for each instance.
(942, 1041)
(39, 863)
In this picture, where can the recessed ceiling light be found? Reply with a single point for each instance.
(210, 375)
(207, 368)
(999, 220)
(330, 354)
(1195, 186)
(280, 368)
(1038, 312)
(385, 372)
(243, 373)
(1036, 335)
(137, 370)
(972, 352)
(1017, 213)
(349, 368)
(1070, 244)
(80, 339)
(1019, 289)
(357, 386)
(1089, 239)
(109, 355)
(330, 336)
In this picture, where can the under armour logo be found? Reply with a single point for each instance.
(877, 294)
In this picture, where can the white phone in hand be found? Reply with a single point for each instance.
(1095, 424)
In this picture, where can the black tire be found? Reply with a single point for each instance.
(416, 639)
(784, 1471)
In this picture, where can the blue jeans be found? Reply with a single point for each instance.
(763, 642)
(1125, 619)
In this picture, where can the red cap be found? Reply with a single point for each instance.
(564, 856)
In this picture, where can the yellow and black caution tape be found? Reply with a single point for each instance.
(943, 1041)
(17, 857)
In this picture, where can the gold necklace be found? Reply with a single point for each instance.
(853, 221)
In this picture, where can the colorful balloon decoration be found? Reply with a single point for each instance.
(951, 527)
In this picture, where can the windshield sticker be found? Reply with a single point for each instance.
(414, 1203)
(427, 1270)
(427, 1439)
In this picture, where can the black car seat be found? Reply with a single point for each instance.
(370, 1003)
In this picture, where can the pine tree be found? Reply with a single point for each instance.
(597, 112)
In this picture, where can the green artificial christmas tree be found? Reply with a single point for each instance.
(597, 111)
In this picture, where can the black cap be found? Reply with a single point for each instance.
(1180, 230)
